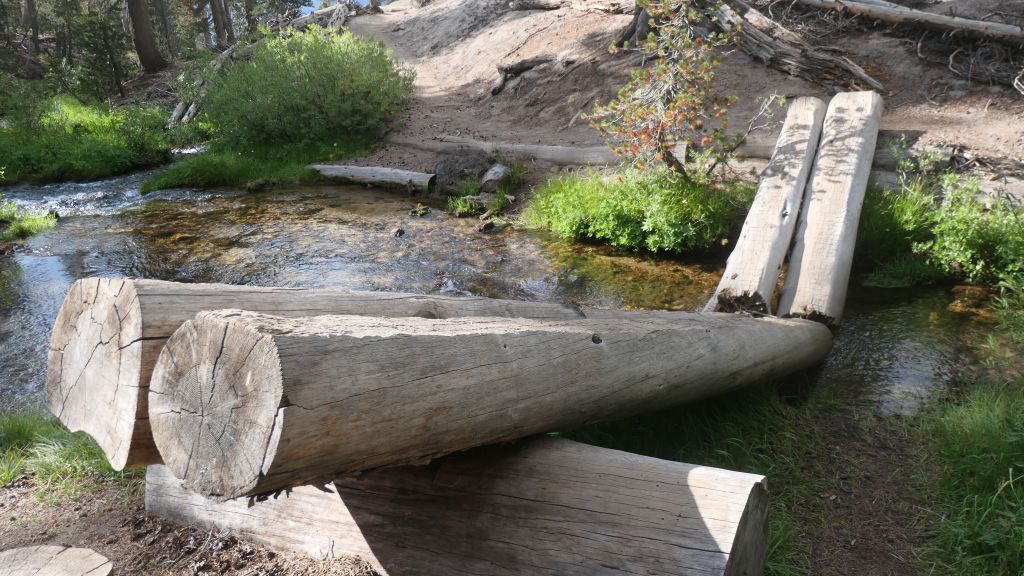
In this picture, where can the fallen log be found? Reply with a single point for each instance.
(562, 155)
(375, 176)
(109, 332)
(819, 269)
(775, 46)
(753, 268)
(243, 403)
(895, 14)
(53, 561)
(541, 507)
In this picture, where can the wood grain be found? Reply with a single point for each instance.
(541, 507)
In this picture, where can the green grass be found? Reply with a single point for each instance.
(767, 430)
(653, 210)
(254, 168)
(21, 224)
(63, 464)
(69, 140)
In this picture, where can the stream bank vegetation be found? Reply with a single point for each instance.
(18, 224)
(64, 465)
(351, 88)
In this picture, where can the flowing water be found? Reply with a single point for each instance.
(894, 348)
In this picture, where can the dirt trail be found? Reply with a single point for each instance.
(456, 45)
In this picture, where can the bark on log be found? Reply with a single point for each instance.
(109, 332)
(53, 561)
(775, 46)
(753, 269)
(375, 176)
(531, 508)
(243, 403)
(819, 269)
(895, 14)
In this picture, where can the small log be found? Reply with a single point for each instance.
(896, 14)
(753, 269)
(819, 269)
(543, 507)
(53, 561)
(243, 403)
(109, 332)
(375, 176)
(561, 155)
(771, 43)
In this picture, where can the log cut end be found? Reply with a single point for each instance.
(94, 358)
(214, 400)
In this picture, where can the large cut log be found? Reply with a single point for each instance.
(243, 403)
(109, 332)
(53, 561)
(819, 269)
(775, 46)
(755, 263)
(896, 14)
(375, 176)
(544, 507)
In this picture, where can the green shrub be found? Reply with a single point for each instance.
(311, 86)
(893, 221)
(655, 210)
(70, 140)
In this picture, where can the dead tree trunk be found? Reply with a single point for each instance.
(753, 269)
(109, 332)
(243, 403)
(376, 176)
(896, 14)
(543, 507)
(819, 269)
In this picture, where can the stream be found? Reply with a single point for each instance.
(895, 346)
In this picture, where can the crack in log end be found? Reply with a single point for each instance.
(214, 400)
(94, 360)
(744, 302)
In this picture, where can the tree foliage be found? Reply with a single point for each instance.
(672, 100)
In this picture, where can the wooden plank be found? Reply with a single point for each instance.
(53, 561)
(819, 269)
(541, 507)
(753, 269)
(243, 403)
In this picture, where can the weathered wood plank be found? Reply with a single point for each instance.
(755, 263)
(819, 269)
(243, 403)
(376, 176)
(540, 507)
(109, 332)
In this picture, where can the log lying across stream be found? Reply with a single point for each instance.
(109, 332)
(375, 176)
(543, 507)
(755, 263)
(243, 403)
(819, 268)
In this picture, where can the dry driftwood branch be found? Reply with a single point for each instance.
(109, 332)
(896, 14)
(377, 176)
(243, 403)
(542, 507)
(819, 269)
(768, 41)
(753, 269)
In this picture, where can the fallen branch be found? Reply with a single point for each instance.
(896, 14)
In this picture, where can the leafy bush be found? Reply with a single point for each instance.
(656, 210)
(311, 86)
(70, 140)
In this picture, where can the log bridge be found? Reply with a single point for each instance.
(405, 429)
